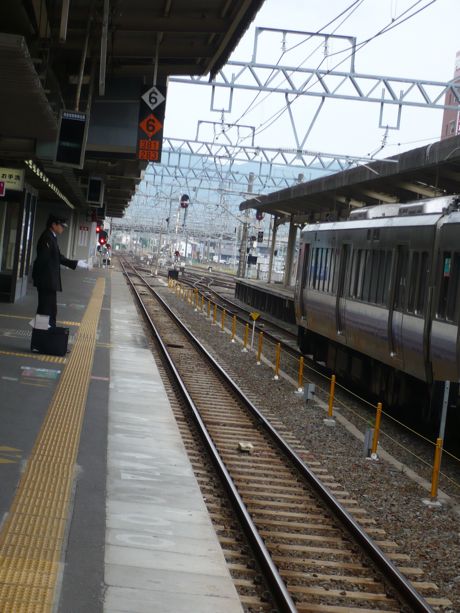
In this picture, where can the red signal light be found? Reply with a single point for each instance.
(102, 238)
(98, 229)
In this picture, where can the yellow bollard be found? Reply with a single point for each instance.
(202, 302)
(214, 318)
(375, 438)
(233, 328)
(277, 361)
(245, 338)
(436, 469)
(300, 379)
(223, 320)
(331, 396)
(259, 348)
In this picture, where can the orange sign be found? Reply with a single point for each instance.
(151, 125)
(149, 150)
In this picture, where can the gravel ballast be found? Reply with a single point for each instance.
(430, 535)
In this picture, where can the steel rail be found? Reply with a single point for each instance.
(389, 570)
(274, 580)
(398, 581)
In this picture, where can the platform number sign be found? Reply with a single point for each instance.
(153, 98)
(150, 127)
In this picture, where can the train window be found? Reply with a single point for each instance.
(377, 258)
(401, 278)
(330, 282)
(319, 254)
(366, 288)
(335, 271)
(313, 266)
(321, 263)
(304, 276)
(454, 286)
(342, 272)
(386, 284)
(356, 282)
(423, 283)
(413, 280)
(444, 284)
(324, 272)
(352, 287)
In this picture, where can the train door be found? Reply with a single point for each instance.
(341, 300)
(398, 304)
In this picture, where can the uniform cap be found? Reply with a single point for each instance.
(57, 220)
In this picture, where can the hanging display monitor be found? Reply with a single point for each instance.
(95, 192)
(71, 140)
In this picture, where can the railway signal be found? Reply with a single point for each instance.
(102, 238)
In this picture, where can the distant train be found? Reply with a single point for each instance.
(377, 300)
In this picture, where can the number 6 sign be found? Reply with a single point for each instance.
(153, 98)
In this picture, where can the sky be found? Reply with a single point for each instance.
(423, 47)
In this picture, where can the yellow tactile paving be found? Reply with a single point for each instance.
(32, 537)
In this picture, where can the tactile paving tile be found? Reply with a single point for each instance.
(32, 536)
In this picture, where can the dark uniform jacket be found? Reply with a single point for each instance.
(46, 272)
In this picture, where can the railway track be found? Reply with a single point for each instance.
(220, 289)
(311, 550)
(349, 397)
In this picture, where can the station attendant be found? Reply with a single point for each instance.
(46, 272)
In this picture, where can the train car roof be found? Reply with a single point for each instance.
(420, 213)
(387, 222)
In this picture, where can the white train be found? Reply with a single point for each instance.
(377, 300)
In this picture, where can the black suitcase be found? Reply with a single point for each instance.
(50, 342)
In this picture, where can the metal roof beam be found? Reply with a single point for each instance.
(379, 196)
(422, 190)
(364, 87)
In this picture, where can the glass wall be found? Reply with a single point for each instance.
(17, 213)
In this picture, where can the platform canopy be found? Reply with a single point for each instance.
(98, 56)
(425, 172)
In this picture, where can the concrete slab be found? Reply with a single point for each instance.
(122, 600)
(165, 581)
(161, 551)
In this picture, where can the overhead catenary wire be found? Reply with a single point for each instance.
(275, 116)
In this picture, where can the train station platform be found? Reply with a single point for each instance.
(272, 298)
(99, 506)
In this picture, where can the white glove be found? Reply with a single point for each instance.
(82, 264)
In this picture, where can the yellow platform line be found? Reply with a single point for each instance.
(29, 317)
(35, 356)
(33, 535)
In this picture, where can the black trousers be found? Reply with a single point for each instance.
(47, 304)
